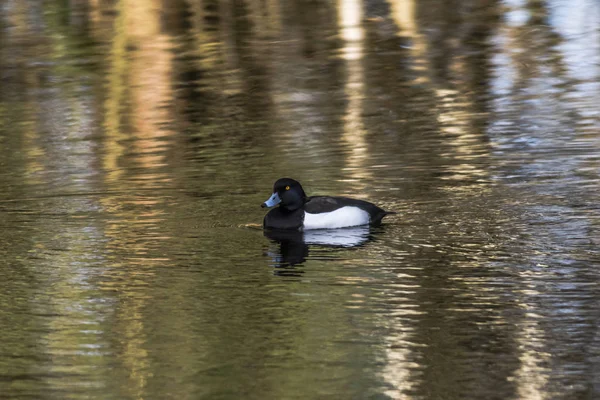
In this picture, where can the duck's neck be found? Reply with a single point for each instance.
(291, 207)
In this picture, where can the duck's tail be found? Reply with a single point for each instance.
(379, 217)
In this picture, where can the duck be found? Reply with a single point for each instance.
(297, 211)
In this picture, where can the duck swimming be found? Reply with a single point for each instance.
(300, 212)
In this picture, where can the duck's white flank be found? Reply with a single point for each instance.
(340, 218)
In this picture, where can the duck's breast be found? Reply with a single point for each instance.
(340, 218)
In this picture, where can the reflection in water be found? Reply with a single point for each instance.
(532, 375)
(294, 245)
(136, 136)
(354, 134)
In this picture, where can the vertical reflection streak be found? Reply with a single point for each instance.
(531, 378)
(352, 34)
(454, 105)
(115, 94)
(151, 70)
(396, 371)
(403, 13)
(138, 102)
(33, 151)
(528, 62)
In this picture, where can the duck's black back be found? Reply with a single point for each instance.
(323, 204)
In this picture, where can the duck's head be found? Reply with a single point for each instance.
(288, 193)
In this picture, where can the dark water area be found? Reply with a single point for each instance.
(138, 139)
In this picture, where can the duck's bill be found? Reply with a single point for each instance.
(273, 201)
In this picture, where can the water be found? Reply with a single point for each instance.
(139, 138)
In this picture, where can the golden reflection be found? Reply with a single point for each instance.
(135, 355)
(273, 9)
(398, 344)
(215, 48)
(531, 378)
(130, 276)
(94, 10)
(262, 14)
(137, 113)
(396, 371)
(140, 83)
(150, 80)
(351, 30)
(207, 39)
(31, 138)
(34, 153)
(456, 107)
(352, 33)
(397, 367)
(115, 97)
(404, 15)
(468, 147)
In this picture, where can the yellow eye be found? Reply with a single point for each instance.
(287, 188)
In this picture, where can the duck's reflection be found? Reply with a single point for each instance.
(294, 246)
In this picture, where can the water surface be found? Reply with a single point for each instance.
(139, 138)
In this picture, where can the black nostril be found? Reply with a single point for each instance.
(263, 205)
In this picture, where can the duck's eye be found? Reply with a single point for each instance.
(287, 188)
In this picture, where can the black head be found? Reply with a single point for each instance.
(288, 193)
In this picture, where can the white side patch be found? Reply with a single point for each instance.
(340, 218)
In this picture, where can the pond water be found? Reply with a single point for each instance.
(138, 139)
